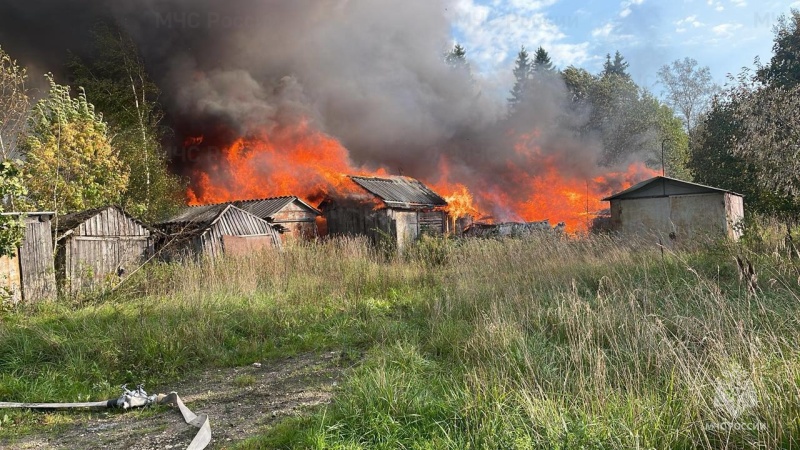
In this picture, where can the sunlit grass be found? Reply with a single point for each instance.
(534, 343)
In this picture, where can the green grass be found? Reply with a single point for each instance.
(537, 343)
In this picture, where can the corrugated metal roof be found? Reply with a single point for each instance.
(401, 192)
(200, 215)
(267, 207)
(262, 207)
(650, 181)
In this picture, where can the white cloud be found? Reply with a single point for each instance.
(739, 3)
(494, 32)
(527, 5)
(625, 6)
(603, 31)
(726, 29)
(689, 21)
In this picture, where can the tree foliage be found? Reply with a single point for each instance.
(769, 119)
(12, 189)
(689, 89)
(14, 104)
(70, 163)
(457, 57)
(750, 140)
(541, 61)
(522, 73)
(617, 67)
(629, 120)
(119, 86)
(783, 69)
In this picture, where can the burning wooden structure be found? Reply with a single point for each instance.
(676, 209)
(99, 245)
(290, 215)
(29, 275)
(398, 208)
(215, 230)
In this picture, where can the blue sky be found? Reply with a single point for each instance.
(725, 35)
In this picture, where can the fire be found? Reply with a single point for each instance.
(308, 163)
(300, 161)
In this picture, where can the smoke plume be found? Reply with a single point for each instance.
(369, 73)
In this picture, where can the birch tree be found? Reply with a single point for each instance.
(70, 163)
(14, 104)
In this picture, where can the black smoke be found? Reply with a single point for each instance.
(368, 72)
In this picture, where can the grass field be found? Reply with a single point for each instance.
(535, 343)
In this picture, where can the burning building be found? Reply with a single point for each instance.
(401, 208)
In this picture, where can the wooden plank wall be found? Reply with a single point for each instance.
(36, 260)
(432, 222)
(234, 222)
(10, 282)
(361, 221)
(111, 222)
(102, 245)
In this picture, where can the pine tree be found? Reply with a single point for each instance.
(618, 66)
(457, 57)
(522, 74)
(541, 61)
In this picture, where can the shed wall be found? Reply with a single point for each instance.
(234, 222)
(99, 247)
(300, 222)
(357, 220)
(10, 282)
(734, 210)
(37, 271)
(684, 217)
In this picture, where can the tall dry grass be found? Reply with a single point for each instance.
(521, 343)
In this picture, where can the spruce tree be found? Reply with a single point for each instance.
(541, 61)
(522, 73)
(618, 66)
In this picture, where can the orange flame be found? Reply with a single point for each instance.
(301, 161)
(312, 165)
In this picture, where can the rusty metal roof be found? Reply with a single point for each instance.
(400, 192)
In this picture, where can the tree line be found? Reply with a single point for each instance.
(744, 137)
(749, 138)
(629, 122)
(65, 153)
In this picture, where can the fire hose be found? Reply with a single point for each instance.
(135, 399)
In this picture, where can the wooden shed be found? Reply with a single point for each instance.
(29, 275)
(401, 208)
(676, 210)
(291, 216)
(214, 230)
(99, 245)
